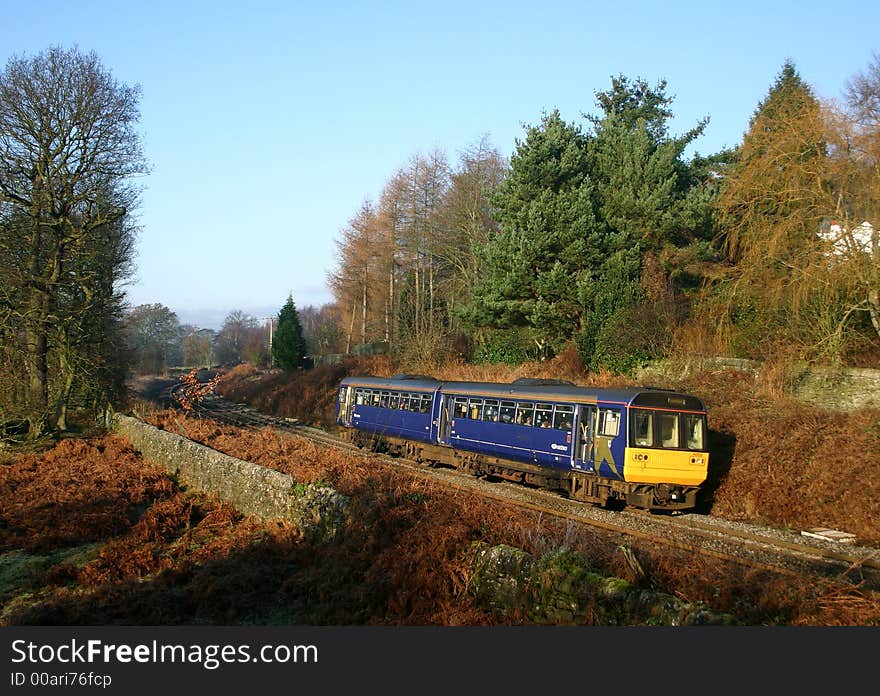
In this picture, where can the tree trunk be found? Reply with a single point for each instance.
(431, 295)
(36, 342)
(364, 310)
(36, 346)
(874, 309)
(389, 316)
(350, 329)
(64, 398)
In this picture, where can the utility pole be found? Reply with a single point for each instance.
(271, 357)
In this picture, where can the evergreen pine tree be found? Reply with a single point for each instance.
(545, 210)
(647, 200)
(288, 344)
(577, 211)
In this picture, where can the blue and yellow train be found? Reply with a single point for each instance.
(643, 447)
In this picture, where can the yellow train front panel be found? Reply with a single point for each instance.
(642, 465)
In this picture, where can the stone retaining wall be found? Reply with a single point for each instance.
(839, 389)
(844, 389)
(318, 511)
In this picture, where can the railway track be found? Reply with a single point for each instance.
(775, 550)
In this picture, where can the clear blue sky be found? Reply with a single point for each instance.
(267, 124)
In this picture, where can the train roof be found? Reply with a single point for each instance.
(650, 397)
(398, 382)
(538, 390)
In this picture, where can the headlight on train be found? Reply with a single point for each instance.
(667, 493)
(697, 460)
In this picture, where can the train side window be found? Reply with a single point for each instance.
(394, 400)
(426, 404)
(459, 409)
(643, 428)
(359, 397)
(404, 401)
(475, 409)
(415, 402)
(668, 429)
(544, 415)
(375, 398)
(693, 431)
(383, 399)
(563, 417)
(609, 422)
(525, 412)
(490, 412)
(507, 411)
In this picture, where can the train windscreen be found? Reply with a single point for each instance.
(667, 429)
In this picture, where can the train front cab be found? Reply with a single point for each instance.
(667, 454)
(647, 449)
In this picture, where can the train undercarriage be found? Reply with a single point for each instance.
(577, 485)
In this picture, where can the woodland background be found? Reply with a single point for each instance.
(602, 237)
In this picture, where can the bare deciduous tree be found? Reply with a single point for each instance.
(241, 338)
(406, 263)
(68, 155)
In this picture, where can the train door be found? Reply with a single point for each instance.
(345, 405)
(584, 450)
(444, 419)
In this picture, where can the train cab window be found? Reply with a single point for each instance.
(544, 415)
(642, 428)
(563, 417)
(507, 411)
(475, 409)
(490, 412)
(668, 429)
(693, 431)
(525, 412)
(459, 408)
(375, 398)
(394, 400)
(609, 422)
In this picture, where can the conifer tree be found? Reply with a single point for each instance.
(772, 206)
(545, 211)
(648, 200)
(288, 344)
(577, 213)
